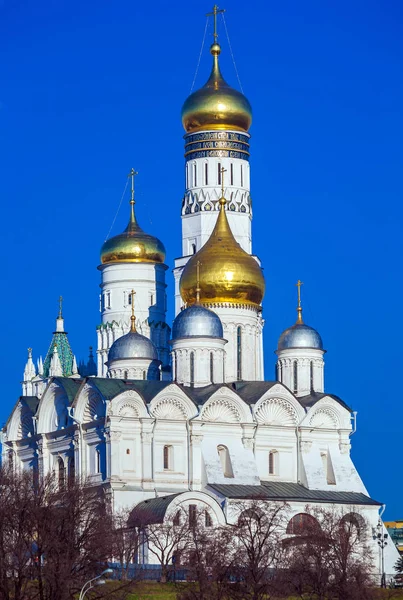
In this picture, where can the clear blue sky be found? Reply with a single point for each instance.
(90, 89)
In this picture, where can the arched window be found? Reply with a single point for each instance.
(167, 458)
(205, 173)
(208, 521)
(328, 468)
(97, 460)
(353, 525)
(225, 460)
(239, 353)
(295, 376)
(219, 174)
(177, 519)
(193, 247)
(192, 368)
(241, 176)
(302, 524)
(211, 367)
(144, 375)
(273, 462)
(187, 175)
(125, 374)
(311, 375)
(174, 367)
(192, 515)
(232, 174)
(72, 469)
(61, 473)
(194, 175)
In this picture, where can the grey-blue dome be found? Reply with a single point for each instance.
(300, 336)
(132, 345)
(197, 321)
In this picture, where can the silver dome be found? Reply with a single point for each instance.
(132, 345)
(197, 321)
(300, 336)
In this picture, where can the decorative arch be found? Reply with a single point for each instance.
(52, 409)
(225, 406)
(324, 417)
(353, 523)
(128, 404)
(173, 404)
(203, 503)
(89, 404)
(302, 524)
(276, 411)
(20, 425)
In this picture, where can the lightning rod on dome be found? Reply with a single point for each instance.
(299, 307)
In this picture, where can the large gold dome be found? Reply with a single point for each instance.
(133, 246)
(228, 274)
(216, 105)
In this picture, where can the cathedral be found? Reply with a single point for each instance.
(181, 415)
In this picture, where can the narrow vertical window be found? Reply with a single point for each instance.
(152, 299)
(193, 248)
(219, 174)
(208, 521)
(211, 367)
(125, 375)
(273, 462)
(167, 458)
(311, 375)
(192, 515)
(61, 473)
(144, 375)
(192, 368)
(174, 367)
(194, 175)
(232, 174)
(295, 377)
(97, 460)
(239, 353)
(108, 299)
(72, 469)
(241, 176)
(129, 298)
(187, 175)
(206, 174)
(225, 461)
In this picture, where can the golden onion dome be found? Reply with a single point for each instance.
(228, 274)
(216, 105)
(133, 245)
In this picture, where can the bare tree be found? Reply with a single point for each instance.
(165, 540)
(256, 536)
(208, 560)
(125, 541)
(328, 556)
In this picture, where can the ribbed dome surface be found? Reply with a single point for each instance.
(133, 246)
(197, 321)
(228, 274)
(300, 336)
(132, 345)
(216, 105)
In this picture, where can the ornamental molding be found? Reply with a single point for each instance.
(344, 448)
(306, 447)
(324, 417)
(221, 411)
(247, 443)
(276, 411)
(169, 408)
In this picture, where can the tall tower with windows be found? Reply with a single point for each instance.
(216, 119)
(133, 259)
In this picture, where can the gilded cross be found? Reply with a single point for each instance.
(132, 174)
(216, 11)
(298, 284)
(299, 307)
